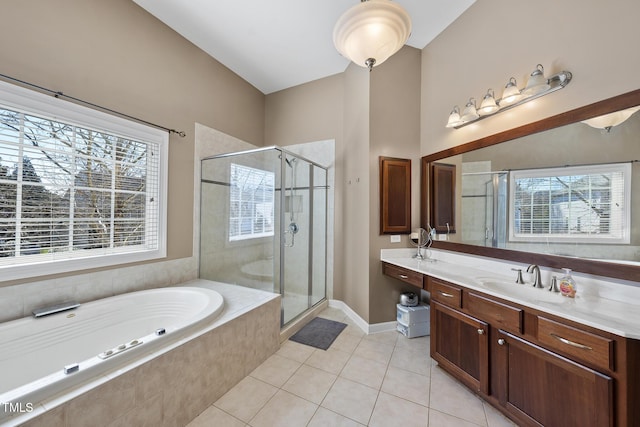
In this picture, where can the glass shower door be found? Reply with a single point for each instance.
(296, 235)
(238, 219)
(319, 202)
(263, 225)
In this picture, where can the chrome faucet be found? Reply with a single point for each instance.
(519, 278)
(537, 280)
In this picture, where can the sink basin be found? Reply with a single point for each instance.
(525, 292)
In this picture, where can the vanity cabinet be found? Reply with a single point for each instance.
(408, 276)
(460, 344)
(539, 387)
(537, 368)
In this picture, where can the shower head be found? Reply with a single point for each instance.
(289, 161)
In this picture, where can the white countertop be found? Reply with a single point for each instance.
(606, 304)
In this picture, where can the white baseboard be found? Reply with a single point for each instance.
(360, 322)
(383, 327)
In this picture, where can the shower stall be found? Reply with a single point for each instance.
(263, 224)
(484, 207)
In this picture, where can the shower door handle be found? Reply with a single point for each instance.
(293, 239)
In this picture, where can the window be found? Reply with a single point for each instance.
(78, 188)
(251, 203)
(571, 204)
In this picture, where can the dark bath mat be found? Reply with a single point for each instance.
(319, 333)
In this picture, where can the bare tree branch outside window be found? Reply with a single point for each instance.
(64, 188)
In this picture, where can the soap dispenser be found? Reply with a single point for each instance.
(567, 284)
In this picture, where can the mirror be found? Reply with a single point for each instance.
(557, 192)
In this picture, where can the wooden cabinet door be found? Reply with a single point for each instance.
(460, 344)
(540, 387)
(395, 195)
(443, 200)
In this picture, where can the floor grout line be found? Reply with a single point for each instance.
(401, 350)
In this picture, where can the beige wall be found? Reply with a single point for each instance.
(370, 115)
(305, 113)
(395, 132)
(113, 53)
(493, 41)
(355, 203)
(482, 49)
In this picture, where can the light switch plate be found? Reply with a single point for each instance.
(395, 238)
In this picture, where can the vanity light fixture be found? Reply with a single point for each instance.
(454, 118)
(511, 93)
(538, 85)
(469, 113)
(488, 104)
(537, 82)
(370, 32)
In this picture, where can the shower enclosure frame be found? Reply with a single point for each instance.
(282, 221)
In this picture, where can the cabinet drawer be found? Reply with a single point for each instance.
(445, 293)
(497, 314)
(584, 346)
(409, 276)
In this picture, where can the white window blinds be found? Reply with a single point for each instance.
(571, 204)
(71, 192)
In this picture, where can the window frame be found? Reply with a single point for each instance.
(38, 104)
(625, 235)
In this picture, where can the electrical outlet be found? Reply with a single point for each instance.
(395, 238)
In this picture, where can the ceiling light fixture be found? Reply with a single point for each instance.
(370, 32)
(537, 85)
(607, 121)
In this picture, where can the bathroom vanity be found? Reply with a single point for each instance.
(539, 357)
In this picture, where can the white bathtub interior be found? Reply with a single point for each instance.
(33, 369)
(35, 351)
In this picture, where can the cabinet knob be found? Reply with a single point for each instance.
(501, 341)
(480, 331)
(404, 276)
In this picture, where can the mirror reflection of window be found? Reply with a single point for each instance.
(571, 204)
(251, 207)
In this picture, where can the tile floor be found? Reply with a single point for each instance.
(381, 379)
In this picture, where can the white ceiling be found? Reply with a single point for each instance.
(278, 44)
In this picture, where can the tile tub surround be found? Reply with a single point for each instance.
(171, 388)
(18, 301)
(607, 304)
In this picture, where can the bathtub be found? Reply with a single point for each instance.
(42, 357)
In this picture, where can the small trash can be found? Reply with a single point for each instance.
(413, 321)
